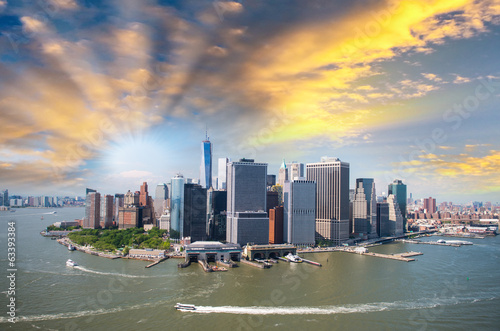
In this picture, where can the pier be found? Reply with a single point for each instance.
(228, 264)
(156, 262)
(410, 241)
(206, 267)
(264, 265)
(405, 257)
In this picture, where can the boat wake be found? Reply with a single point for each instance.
(331, 310)
(111, 273)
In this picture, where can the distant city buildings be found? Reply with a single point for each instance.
(247, 220)
(332, 199)
(4, 198)
(430, 205)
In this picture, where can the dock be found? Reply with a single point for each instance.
(206, 267)
(264, 265)
(405, 257)
(410, 241)
(228, 264)
(283, 259)
(156, 262)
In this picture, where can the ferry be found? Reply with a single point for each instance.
(71, 263)
(71, 247)
(181, 306)
(293, 258)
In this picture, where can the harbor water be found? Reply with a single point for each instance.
(446, 288)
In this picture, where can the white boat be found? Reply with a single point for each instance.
(71, 247)
(181, 306)
(293, 258)
(71, 263)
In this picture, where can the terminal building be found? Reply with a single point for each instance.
(212, 251)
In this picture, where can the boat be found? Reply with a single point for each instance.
(71, 263)
(293, 258)
(181, 306)
(71, 247)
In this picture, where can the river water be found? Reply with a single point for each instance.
(447, 288)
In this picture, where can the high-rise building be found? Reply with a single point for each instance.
(177, 204)
(271, 180)
(383, 226)
(161, 196)
(216, 214)
(4, 198)
(119, 201)
(195, 212)
(364, 207)
(247, 220)
(272, 200)
(299, 217)
(332, 198)
(92, 211)
(206, 163)
(221, 176)
(430, 205)
(276, 225)
(107, 211)
(398, 189)
(295, 170)
(395, 217)
(282, 174)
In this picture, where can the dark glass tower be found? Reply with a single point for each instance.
(206, 164)
(398, 189)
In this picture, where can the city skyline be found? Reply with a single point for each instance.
(110, 96)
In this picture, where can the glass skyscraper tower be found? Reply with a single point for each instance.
(206, 164)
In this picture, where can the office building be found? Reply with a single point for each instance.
(276, 225)
(364, 204)
(177, 204)
(92, 211)
(272, 200)
(221, 176)
(295, 170)
(216, 214)
(119, 201)
(398, 189)
(206, 164)
(282, 174)
(4, 198)
(299, 216)
(271, 180)
(195, 212)
(383, 225)
(107, 212)
(247, 220)
(430, 205)
(332, 198)
(395, 217)
(160, 201)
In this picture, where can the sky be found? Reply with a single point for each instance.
(108, 94)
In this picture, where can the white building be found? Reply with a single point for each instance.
(299, 215)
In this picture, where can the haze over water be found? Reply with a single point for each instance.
(446, 288)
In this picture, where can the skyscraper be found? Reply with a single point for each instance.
(282, 174)
(221, 176)
(177, 204)
(398, 189)
(430, 205)
(395, 217)
(364, 207)
(4, 198)
(295, 170)
(161, 196)
(206, 164)
(92, 211)
(247, 220)
(299, 219)
(107, 211)
(332, 198)
(195, 212)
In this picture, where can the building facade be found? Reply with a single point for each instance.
(364, 207)
(395, 217)
(206, 164)
(247, 220)
(332, 198)
(107, 211)
(160, 201)
(276, 225)
(177, 204)
(92, 211)
(299, 216)
(195, 212)
(221, 175)
(398, 189)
